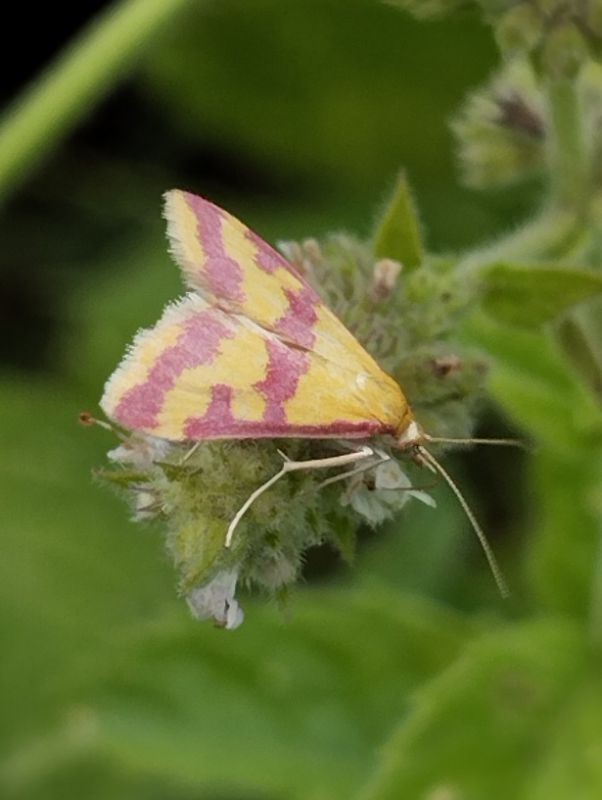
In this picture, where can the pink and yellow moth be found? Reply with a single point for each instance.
(252, 352)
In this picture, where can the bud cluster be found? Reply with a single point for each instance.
(195, 490)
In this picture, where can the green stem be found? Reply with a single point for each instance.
(568, 157)
(57, 100)
(570, 174)
(563, 218)
(548, 233)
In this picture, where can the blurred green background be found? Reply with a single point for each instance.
(403, 677)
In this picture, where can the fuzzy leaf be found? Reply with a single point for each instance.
(231, 711)
(571, 766)
(531, 295)
(105, 674)
(73, 570)
(581, 336)
(537, 386)
(196, 708)
(397, 233)
(564, 539)
(472, 732)
(533, 381)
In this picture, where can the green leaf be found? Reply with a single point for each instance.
(105, 674)
(484, 726)
(571, 765)
(397, 233)
(531, 295)
(73, 568)
(564, 537)
(295, 709)
(580, 334)
(533, 381)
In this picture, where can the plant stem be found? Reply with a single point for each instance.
(568, 164)
(78, 79)
(568, 157)
(570, 184)
(563, 227)
(547, 233)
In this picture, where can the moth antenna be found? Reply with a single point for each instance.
(86, 418)
(496, 571)
(500, 442)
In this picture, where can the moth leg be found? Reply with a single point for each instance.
(295, 466)
(189, 453)
(380, 458)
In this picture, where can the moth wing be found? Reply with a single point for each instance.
(202, 373)
(236, 270)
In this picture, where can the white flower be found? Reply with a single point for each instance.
(391, 476)
(216, 601)
(392, 490)
(140, 450)
(144, 505)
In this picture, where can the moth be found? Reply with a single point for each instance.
(253, 352)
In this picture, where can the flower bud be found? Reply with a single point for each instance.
(312, 250)
(564, 51)
(501, 129)
(384, 279)
(519, 30)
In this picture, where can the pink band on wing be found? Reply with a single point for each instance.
(218, 423)
(198, 344)
(224, 278)
(300, 317)
(285, 367)
(222, 274)
(268, 259)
